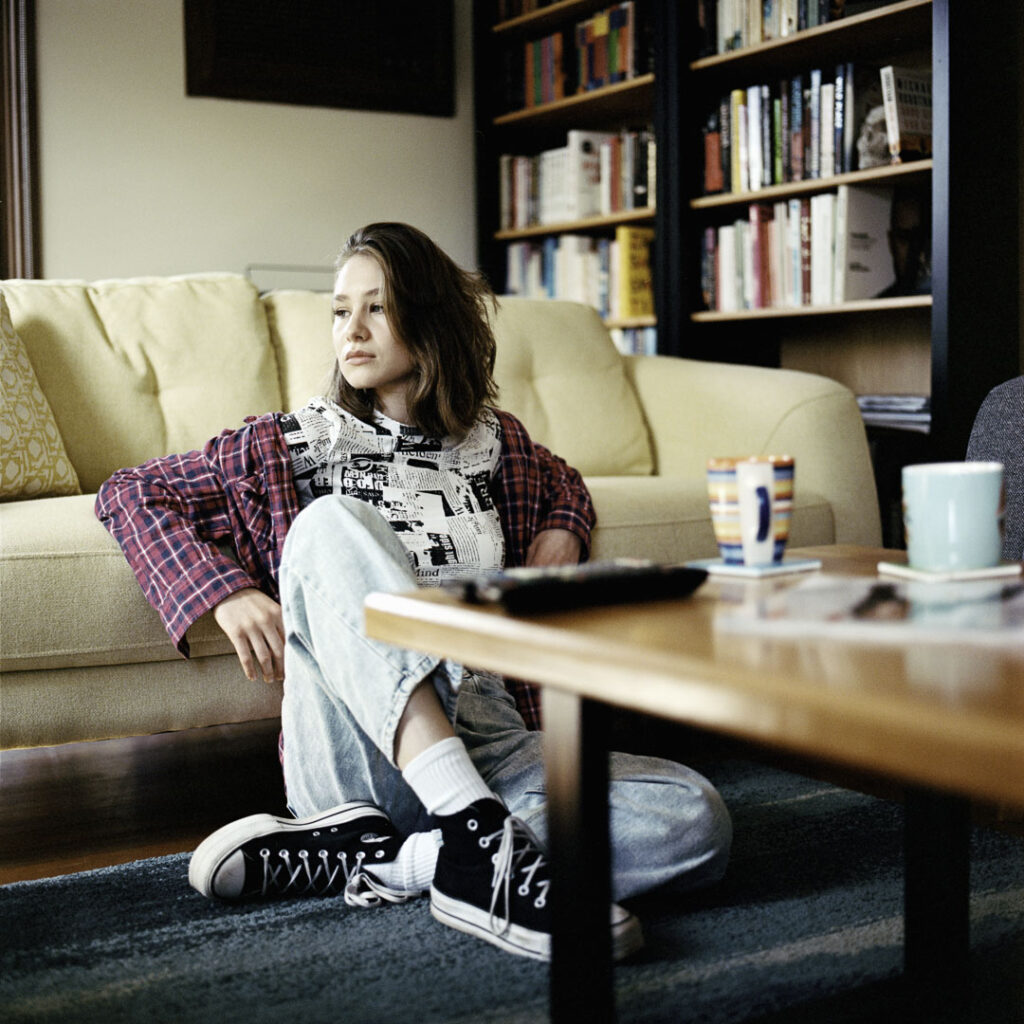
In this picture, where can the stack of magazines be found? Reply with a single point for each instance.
(901, 412)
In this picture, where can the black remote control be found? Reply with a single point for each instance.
(555, 588)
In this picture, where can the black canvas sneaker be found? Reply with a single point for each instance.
(492, 881)
(263, 857)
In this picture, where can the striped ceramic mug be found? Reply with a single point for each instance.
(751, 506)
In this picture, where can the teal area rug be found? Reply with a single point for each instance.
(807, 927)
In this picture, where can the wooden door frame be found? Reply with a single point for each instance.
(20, 254)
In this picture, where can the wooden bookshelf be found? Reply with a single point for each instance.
(529, 130)
(599, 224)
(835, 309)
(958, 342)
(920, 169)
(607, 106)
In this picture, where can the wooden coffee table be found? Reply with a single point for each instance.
(945, 720)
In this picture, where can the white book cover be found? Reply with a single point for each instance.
(839, 247)
(828, 135)
(755, 154)
(726, 269)
(822, 245)
(583, 185)
(744, 148)
(606, 184)
(794, 274)
(552, 186)
(907, 98)
(864, 258)
(628, 170)
(788, 17)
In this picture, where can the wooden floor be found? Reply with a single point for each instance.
(87, 805)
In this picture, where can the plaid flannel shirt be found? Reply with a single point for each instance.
(175, 517)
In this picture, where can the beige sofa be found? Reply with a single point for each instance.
(137, 368)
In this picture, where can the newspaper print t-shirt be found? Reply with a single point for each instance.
(436, 494)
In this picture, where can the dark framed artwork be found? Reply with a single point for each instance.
(385, 55)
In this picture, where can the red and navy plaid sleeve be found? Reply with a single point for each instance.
(536, 490)
(173, 515)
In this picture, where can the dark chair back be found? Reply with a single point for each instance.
(998, 436)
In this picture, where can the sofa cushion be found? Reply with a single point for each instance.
(35, 463)
(560, 373)
(667, 519)
(300, 331)
(69, 597)
(142, 367)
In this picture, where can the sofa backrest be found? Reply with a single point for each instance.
(557, 370)
(142, 367)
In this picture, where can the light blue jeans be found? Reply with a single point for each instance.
(344, 695)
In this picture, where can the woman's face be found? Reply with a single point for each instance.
(371, 357)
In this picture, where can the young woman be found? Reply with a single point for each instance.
(405, 773)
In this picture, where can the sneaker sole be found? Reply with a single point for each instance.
(627, 935)
(211, 853)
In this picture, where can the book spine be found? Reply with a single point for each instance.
(737, 119)
(827, 160)
(814, 146)
(892, 122)
(805, 251)
(796, 123)
(839, 120)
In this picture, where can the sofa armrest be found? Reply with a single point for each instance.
(696, 410)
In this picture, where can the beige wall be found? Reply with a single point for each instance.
(136, 178)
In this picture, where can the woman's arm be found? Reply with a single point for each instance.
(176, 517)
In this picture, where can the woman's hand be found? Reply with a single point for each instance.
(255, 627)
(554, 547)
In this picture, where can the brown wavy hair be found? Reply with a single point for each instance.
(442, 314)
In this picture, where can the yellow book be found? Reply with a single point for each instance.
(635, 288)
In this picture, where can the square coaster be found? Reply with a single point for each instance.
(717, 567)
(931, 576)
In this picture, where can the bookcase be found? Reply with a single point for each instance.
(954, 342)
(629, 104)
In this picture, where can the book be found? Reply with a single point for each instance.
(725, 269)
(864, 263)
(827, 136)
(907, 99)
(760, 255)
(822, 248)
(812, 165)
(583, 173)
(635, 285)
(755, 150)
(793, 258)
(805, 251)
(796, 128)
(898, 412)
(865, 141)
(714, 180)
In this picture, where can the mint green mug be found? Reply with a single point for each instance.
(952, 513)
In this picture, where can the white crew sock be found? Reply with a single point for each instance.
(444, 778)
(412, 870)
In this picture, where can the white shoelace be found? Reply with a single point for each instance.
(318, 876)
(506, 861)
